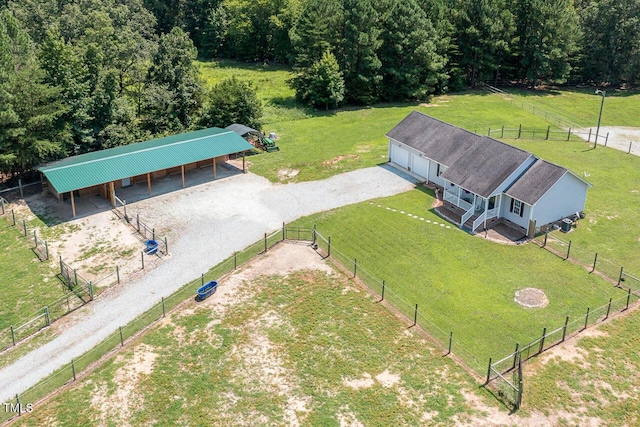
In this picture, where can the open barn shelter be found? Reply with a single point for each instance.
(102, 172)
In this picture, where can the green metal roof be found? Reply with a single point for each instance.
(112, 164)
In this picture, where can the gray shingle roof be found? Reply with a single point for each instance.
(536, 181)
(485, 165)
(438, 140)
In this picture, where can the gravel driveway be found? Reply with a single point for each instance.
(208, 222)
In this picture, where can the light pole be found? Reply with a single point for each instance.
(603, 93)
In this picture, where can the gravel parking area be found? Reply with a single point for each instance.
(206, 224)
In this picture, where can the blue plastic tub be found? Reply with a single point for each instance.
(152, 247)
(207, 289)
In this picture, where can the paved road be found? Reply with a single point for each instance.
(215, 219)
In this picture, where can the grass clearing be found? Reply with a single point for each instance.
(597, 376)
(26, 283)
(461, 283)
(308, 348)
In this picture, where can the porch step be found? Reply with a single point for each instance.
(467, 226)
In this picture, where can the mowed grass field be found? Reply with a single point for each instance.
(308, 348)
(461, 283)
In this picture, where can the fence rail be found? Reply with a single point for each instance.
(81, 365)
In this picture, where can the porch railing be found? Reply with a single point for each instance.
(491, 213)
(468, 214)
(454, 199)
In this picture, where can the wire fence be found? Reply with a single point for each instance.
(81, 365)
(445, 338)
(591, 261)
(145, 231)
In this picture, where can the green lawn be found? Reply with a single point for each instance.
(308, 349)
(598, 378)
(461, 283)
(27, 284)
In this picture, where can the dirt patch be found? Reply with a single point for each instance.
(365, 382)
(531, 298)
(125, 398)
(337, 159)
(284, 174)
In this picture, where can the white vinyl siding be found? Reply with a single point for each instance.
(566, 197)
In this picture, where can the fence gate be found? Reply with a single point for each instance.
(505, 378)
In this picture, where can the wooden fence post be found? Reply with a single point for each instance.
(13, 336)
(608, 309)
(628, 152)
(24, 226)
(138, 222)
(235, 260)
(568, 250)
(46, 250)
(589, 138)
(488, 372)
(283, 232)
(450, 341)
(606, 139)
(73, 369)
(545, 239)
(355, 267)
(314, 234)
(382, 291)
(595, 259)
(548, 129)
(489, 132)
(20, 185)
(519, 131)
(569, 134)
(118, 273)
(121, 338)
(142, 258)
(564, 329)
(163, 308)
(13, 215)
(265, 242)
(415, 316)
(329, 248)
(46, 315)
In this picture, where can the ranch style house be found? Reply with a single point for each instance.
(485, 180)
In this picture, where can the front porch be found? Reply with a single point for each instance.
(468, 210)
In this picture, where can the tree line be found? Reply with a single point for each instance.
(82, 75)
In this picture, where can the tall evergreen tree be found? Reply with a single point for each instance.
(483, 30)
(411, 64)
(360, 62)
(547, 32)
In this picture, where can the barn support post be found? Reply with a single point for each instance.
(73, 204)
(244, 163)
(182, 171)
(544, 335)
(149, 182)
(215, 174)
(564, 329)
(608, 309)
(20, 186)
(112, 197)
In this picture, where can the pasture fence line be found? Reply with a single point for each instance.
(546, 134)
(445, 337)
(510, 366)
(80, 366)
(145, 231)
(593, 262)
